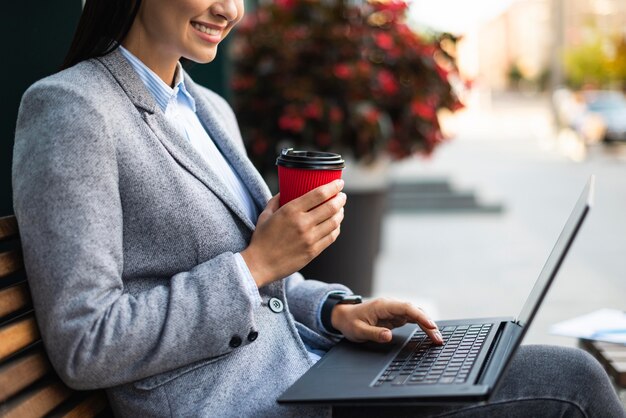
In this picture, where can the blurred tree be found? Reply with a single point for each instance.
(618, 64)
(514, 75)
(588, 64)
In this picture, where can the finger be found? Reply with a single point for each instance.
(392, 323)
(325, 241)
(328, 209)
(274, 203)
(411, 312)
(318, 195)
(433, 334)
(373, 333)
(329, 225)
(415, 314)
(272, 206)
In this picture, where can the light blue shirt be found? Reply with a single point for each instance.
(179, 108)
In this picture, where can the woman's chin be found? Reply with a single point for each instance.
(203, 58)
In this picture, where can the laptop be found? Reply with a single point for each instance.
(410, 369)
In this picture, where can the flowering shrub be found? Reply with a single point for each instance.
(338, 76)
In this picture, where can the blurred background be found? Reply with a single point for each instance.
(546, 109)
(469, 129)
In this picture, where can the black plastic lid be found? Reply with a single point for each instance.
(310, 160)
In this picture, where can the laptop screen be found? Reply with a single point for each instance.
(557, 255)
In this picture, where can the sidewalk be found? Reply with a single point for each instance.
(458, 264)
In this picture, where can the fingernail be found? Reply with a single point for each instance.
(439, 336)
(340, 183)
(385, 335)
(432, 324)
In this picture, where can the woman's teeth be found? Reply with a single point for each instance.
(206, 30)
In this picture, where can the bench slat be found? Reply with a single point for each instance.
(39, 402)
(8, 227)
(611, 356)
(18, 335)
(13, 299)
(89, 407)
(18, 374)
(10, 262)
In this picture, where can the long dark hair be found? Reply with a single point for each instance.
(102, 26)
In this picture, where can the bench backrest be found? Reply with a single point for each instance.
(29, 386)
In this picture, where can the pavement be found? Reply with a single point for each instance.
(459, 264)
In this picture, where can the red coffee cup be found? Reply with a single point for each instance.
(303, 171)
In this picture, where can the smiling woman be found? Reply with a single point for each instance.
(159, 264)
(164, 31)
(158, 32)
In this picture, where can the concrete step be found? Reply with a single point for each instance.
(436, 195)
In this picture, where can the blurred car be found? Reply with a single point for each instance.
(603, 116)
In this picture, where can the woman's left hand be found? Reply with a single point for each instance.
(373, 320)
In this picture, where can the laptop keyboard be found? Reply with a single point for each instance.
(420, 362)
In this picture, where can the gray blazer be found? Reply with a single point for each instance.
(128, 240)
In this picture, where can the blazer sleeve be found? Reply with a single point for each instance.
(69, 210)
(305, 298)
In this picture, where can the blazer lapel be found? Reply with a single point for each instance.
(214, 120)
(180, 149)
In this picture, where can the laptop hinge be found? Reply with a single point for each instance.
(508, 340)
(488, 359)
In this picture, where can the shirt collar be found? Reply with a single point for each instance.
(163, 94)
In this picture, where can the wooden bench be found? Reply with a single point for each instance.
(611, 356)
(29, 386)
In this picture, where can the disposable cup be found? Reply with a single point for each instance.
(303, 171)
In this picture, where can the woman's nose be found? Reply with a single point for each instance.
(226, 9)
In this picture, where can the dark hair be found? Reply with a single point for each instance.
(102, 26)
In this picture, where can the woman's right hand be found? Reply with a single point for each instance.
(287, 238)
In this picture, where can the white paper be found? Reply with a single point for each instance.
(602, 325)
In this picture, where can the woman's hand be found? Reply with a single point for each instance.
(374, 320)
(287, 238)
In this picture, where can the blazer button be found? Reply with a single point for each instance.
(235, 341)
(253, 336)
(276, 305)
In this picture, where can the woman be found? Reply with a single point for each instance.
(159, 266)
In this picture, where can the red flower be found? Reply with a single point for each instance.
(313, 110)
(383, 40)
(423, 110)
(291, 122)
(286, 4)
(442, 72)
(372, 116)
(387, 82)
(342, 71)
(396, 6)
(428, 50)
